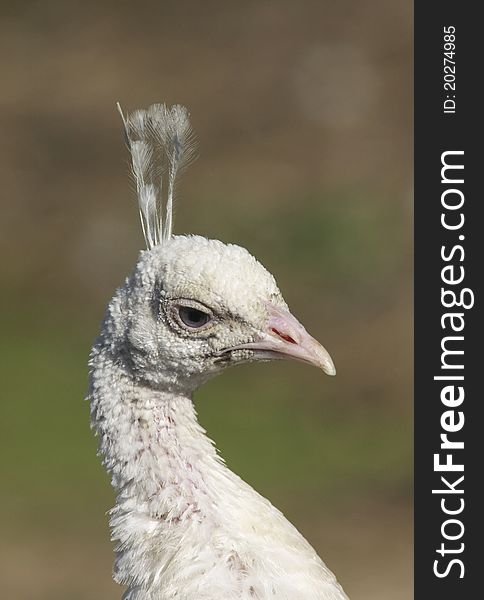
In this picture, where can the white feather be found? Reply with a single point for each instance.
(161, 143)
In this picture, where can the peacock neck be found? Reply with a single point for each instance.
(165, 471)
(157, 454)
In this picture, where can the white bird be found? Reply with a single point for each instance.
(186, 527)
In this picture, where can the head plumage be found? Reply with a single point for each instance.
(161, 143)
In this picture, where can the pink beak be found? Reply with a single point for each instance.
(285, 337)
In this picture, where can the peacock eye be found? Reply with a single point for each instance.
(192, 317)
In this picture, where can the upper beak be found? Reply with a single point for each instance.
(285, 337)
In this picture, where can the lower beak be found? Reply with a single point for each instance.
(285, 337)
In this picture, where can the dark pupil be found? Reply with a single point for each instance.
(193, 317)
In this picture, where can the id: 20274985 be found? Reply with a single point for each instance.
(449, 70)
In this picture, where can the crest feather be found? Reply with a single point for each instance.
(161, 143)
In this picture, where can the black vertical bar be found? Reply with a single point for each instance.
(448, 568)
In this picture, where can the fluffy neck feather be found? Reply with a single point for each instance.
(162, 465)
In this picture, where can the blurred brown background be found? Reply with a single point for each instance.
(303, 114)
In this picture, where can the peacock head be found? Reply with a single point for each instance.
(194, 306)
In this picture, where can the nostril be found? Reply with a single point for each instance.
(284, 336)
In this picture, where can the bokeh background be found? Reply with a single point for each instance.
(304, 119)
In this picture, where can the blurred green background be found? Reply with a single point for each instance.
(303, 114)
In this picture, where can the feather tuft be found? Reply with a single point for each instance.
(162, 144)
